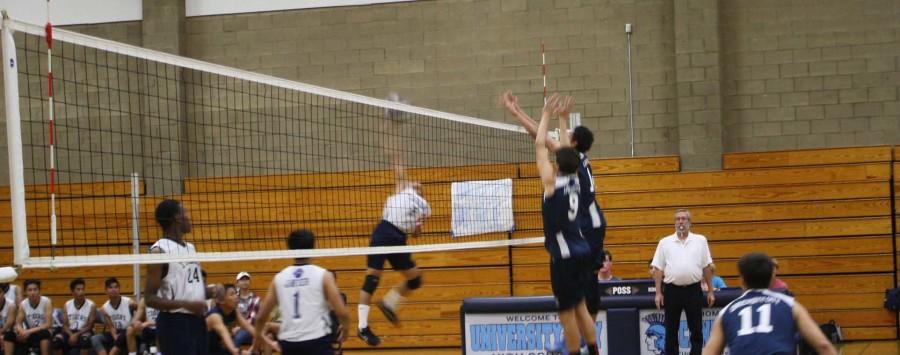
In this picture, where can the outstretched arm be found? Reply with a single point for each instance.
(511, 102)
(811, 332)
(262, 318)
(392, 150)
(542, 153)
(565, 106)
(716, 342)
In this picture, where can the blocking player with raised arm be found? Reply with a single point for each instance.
(570, 253)
(590, 216)
(177, 289)
(305, 293)
(32, 322)
(78, 322)
(404, 213)
(763, 321)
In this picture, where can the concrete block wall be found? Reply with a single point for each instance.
(709, 76)
(807, 74)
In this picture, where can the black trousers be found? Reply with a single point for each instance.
(690, 300)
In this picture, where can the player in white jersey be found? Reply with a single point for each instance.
(78, 321)
(404, 214)
(305, 293)
(7, 314)
(177, 289)
(144, 326)
(14, 294)
(117, 313)
(33, 321)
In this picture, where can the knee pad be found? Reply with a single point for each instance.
(371, 283)
(415, 283)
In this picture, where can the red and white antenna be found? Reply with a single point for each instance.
(544, 70)
(48, 29)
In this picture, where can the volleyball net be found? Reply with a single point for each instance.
(99, 132)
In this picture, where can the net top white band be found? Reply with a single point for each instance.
(138, 52)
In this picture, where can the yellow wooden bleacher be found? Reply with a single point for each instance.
(826, 214)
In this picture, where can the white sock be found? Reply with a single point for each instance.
(392, 299)
(363, 311)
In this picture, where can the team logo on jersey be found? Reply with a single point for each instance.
(298, 273)
(656, 333)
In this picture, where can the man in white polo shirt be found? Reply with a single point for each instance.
(682, 261)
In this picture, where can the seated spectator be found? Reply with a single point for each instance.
(605, 274)
(117, 313)
(34, 318)
(144, 326)
(7, 314)
(221, 319)
(777, 284)
(717, 281)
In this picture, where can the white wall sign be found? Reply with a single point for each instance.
(481, 207)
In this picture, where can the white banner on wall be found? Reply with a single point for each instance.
(72, 12)
(224, 7)
(481, 207)
(520, 333)
(653, 331)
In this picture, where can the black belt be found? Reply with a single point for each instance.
(695, 284)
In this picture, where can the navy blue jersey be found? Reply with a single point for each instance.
(562, 237)
(760, 322)
(590, 214)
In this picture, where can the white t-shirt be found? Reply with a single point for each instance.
(682, 261)
(405, 208)
(120, 316)
(4, 313)
(183, 280)
(34, 316)
(11, 293)
(301, 298)
(78, 316)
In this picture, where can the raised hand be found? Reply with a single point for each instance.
(510, 101)
(551, 107)
(565, 106)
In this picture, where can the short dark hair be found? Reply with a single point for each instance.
(166, 212)
(225, 287)
(301, 239)
(31, 282)
(609, 255)
(567, 159)
(583, 138)
(75, 282)
(4, 287)
(756, 270)
(112, 280)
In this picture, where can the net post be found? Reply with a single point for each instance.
(14, 144)
(136, 230)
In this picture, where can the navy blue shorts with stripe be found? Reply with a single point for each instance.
(569, 279)
(386, 234)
